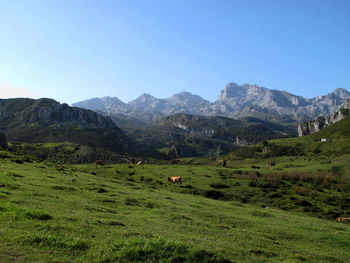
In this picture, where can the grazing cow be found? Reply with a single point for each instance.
(175, 179)
(139, 162)
(100, 162)
(271, 164)
(343, 219)
(222, 163)
(175, 161)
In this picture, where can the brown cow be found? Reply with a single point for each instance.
(271, 164)
(175, 161)
(343, 219)
(139, 162)
(100, 162)
(222, 163)
(175, 179)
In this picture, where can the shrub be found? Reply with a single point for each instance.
(101, 190)
(214, 194)
(62, 187)
(38, 215)
(219, 185)
(131, 201)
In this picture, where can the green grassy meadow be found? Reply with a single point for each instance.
(126, 213)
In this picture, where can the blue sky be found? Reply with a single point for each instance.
(72, 50)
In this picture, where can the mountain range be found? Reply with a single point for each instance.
(234, 101)
(183, 125)
(179, 135)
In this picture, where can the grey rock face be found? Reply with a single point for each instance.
(144, 103)
(309, 127)
(235, 101)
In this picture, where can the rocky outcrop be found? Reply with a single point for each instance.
(309, 127)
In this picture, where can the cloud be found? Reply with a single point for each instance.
(9, 91)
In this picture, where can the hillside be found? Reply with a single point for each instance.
(333, 140)
(114, 213)
(45, 120)
(184, 135)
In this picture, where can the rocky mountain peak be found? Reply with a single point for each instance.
(100, 103)
(143, 103)
(187, 97)
(234, 91)
(112, 100)
(253, 89)
(231, 90)
(341, 93)
(144, 98)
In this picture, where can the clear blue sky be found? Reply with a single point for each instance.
(72, 50)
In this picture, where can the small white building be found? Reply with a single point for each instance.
(323, 139)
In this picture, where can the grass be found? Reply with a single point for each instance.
(114, 213)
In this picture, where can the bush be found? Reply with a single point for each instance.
(38, 215)
(214, 194)
(219, 186)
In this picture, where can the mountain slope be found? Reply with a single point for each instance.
(45, 120)
(184, 135)
(332, 141)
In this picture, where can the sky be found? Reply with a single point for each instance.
(72, 50)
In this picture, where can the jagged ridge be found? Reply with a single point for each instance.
(234, 101)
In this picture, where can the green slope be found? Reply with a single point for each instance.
(84, 213)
